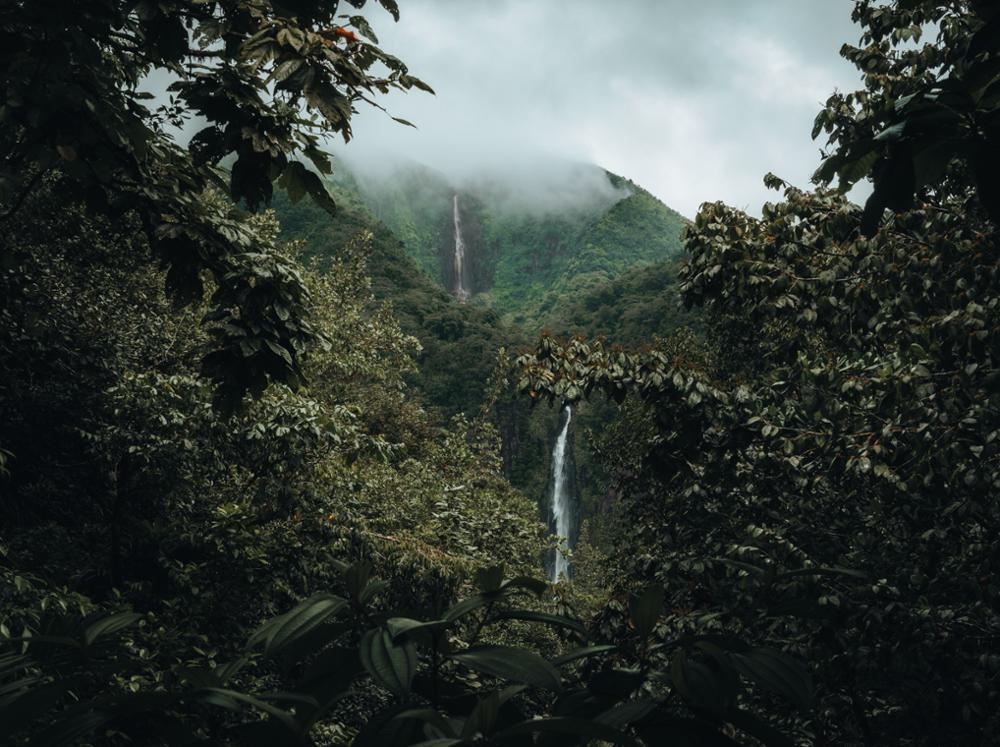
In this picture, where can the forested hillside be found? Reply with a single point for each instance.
(268, 477)
(579, 228)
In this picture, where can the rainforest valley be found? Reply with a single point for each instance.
(297, 449)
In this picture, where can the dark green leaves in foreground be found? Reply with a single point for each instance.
(513, 665)
(392, 665)
(411, 660)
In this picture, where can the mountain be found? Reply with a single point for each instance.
(459, 342)
(581, 251)
(630, 310)
(533, 238)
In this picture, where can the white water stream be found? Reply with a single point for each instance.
(561, 510)
(458, 289)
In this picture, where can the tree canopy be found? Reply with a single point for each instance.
(263, 83)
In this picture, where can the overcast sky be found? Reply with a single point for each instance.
(695, 101)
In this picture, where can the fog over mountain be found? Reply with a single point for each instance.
(526, 186)
(694, 102)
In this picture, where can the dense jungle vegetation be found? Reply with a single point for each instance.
(263, 481)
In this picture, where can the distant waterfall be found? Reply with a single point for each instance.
(561, 509)
(458, 289)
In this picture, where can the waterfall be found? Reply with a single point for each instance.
(561, 509)
(458, 289)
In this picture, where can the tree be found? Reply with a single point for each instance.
(851, 432)
(926, 112)
(266, 80)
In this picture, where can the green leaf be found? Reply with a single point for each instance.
(645, 609)
(778, 672)
(278, 633)
(466, 606)
(391, 664)
(231, 700)
(392, 7)
(512, 664)
(483, 716)
(534, 585)
(489, 579)
(417, 629)
(109, 625)
(298, 181)
(930, 163)
(356, 578)
(362, 25)
(891, 133)
(701, 685)
(626, 713)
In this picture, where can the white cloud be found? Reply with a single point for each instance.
(695, 102)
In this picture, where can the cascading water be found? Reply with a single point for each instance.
(561, 509)
(458, 289)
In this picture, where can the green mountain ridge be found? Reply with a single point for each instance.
(529, 245)
(592, 295)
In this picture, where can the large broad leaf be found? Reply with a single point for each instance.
(489, 579)
(278, 633)
(231, 700)
(418, 630)
(329, 676)
(464, 607)
(298, 181)
(534, 585)
(704, 685)
(626, 713)
(384, 729)
(483, 717)
(645, 609)
(512, 664)
(616, 683)
(778, 672)
(109, 625)
(391, 664)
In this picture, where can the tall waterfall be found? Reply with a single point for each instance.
(458, 288)
(561, 509)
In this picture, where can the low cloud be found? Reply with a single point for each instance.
(694, 102)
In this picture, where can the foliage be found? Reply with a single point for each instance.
(525, 262)
(924, 108)
(128, 488)
(458, 343)
(847, 419)
(857, 430)
(632, 309)
(264, 79)
(423, 679)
